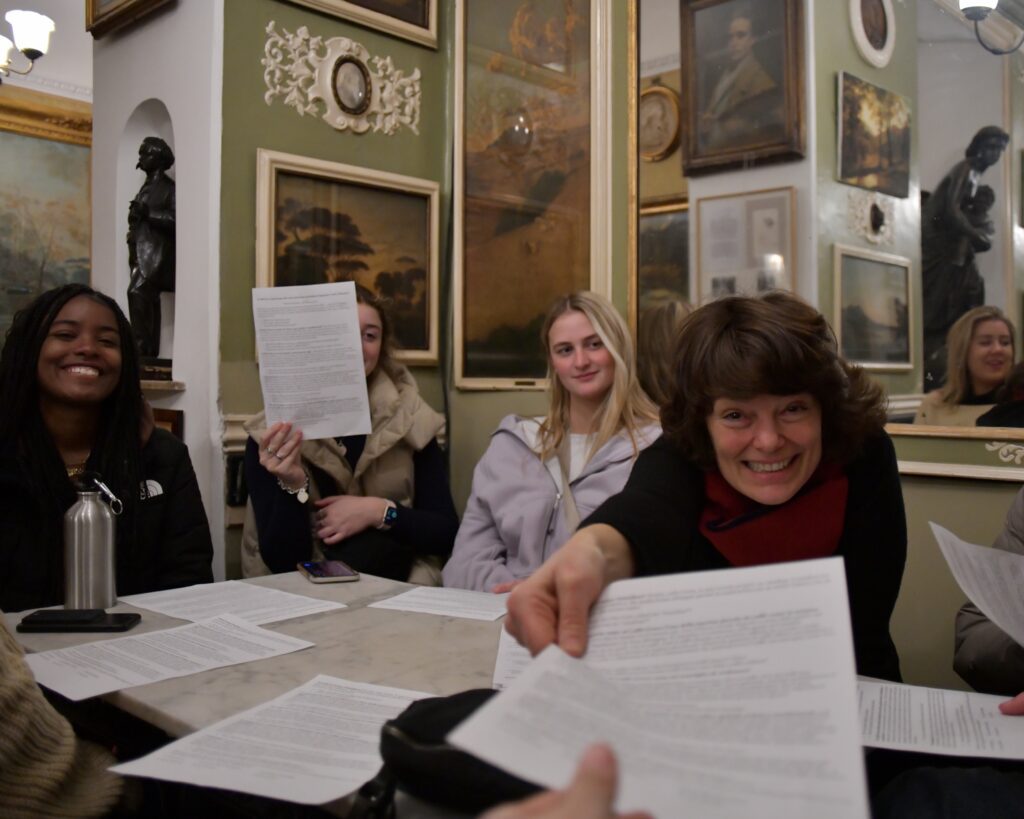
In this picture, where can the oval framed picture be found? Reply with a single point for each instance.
(658, 123)
(874, 30)
(352, 86)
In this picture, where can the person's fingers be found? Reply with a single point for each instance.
(507, 586)
(1014, 707)
(320, 504)
(532, 613)
(592, 792)
(576, 594)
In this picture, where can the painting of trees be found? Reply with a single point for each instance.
(874, 137)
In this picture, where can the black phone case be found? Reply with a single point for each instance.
(75, 620)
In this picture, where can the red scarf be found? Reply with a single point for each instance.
(748, 533)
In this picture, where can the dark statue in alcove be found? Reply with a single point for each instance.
(955, 226)
(151, 244)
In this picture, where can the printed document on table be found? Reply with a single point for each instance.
(110, 665)
(254, 604)
(472, 605)
(937, 721)
(512, 659)
(991, 578)
(730, 692)
(311, 358)
(315, 744)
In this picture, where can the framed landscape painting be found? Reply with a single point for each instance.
(320, 221)
(872, 309)
(414, 20)
(874, 137)
(45, 195)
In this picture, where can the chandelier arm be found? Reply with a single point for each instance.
(999, 52)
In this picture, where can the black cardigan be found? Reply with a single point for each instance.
(658, 512)
(172, 547)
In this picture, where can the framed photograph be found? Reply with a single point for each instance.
(414, 20)
(872, 308)
(746, 243)
(663, 251)
(320, 221)
(45, 196)
(522, 182)
(658, 123)
(874, 30)
(874, 137)
(105, 16)
(173, 421)
(743, 99)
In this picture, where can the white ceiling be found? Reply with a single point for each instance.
(67, 68)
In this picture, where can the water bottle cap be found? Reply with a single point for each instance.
(91, 483)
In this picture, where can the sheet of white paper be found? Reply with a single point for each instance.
(730, 692)
(312, 745)
(311, 358)
(991, 578)
(254, 604)
(937, 721)
(472, 605)
(98, 668)
(511, 661)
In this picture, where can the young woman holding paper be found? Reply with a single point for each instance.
(379, 502)
(539, 476)
(72, 402)
(774, 450)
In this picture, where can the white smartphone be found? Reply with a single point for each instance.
(327, 571)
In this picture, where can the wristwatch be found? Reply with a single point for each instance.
(301, 494)
(390, 516)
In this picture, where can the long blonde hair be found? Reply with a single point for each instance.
(626, 406)
(958, 343)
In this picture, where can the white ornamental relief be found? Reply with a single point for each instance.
(1007, 452)
(355, 90)
(871, 216)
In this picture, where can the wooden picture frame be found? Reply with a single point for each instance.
(45, 196)
(524, 138)
(873, 26)
(105, 16)
(873, 319)
(320, 221)
(746, 243)
(414, 20)
(743, 96)
(868, 158)
(663, 256)
(170, 420)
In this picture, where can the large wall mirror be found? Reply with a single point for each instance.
(743, 185)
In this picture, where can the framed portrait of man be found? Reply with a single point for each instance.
(743, 101)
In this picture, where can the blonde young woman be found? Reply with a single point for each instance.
(980, 354)
(541, 476)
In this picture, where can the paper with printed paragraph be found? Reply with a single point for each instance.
(472, 605)
(730, 692)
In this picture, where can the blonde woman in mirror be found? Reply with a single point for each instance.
(980, 353)
(540, 476)
(656, 335)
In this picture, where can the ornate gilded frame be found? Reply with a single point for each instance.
(101, 17)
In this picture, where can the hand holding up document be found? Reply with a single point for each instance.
(311, 358)
(729, 692)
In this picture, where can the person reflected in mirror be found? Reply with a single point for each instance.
(955, 227)
(379, 502)
(980, 353)
(774, 450)
(72, 401)
(1009, 408)
(540, 476)
(656, 334)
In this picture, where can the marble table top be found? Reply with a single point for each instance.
(423, 652)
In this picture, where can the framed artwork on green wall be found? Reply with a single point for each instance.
(743, 94)
(874, 137)
(105, 16)
(319, 221)
(872, 308)
(414, 20)
(663, 254)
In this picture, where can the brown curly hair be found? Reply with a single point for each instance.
(742, 347)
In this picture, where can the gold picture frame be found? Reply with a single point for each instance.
(659, 120)
(105, 16)
(319, 221)
(364, 13)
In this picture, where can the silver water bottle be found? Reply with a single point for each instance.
(89, 553)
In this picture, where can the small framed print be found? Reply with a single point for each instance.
(874, 30)
(173, 421)
(658, 128)
(745, 243)
(872, 308)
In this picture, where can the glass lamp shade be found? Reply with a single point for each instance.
(5, 52)
(977, 9)
(31, 32)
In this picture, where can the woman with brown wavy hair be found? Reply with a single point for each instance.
(773, 450)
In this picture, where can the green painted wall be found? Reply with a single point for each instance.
(835, 51)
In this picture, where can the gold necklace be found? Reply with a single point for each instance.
(74, 470)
